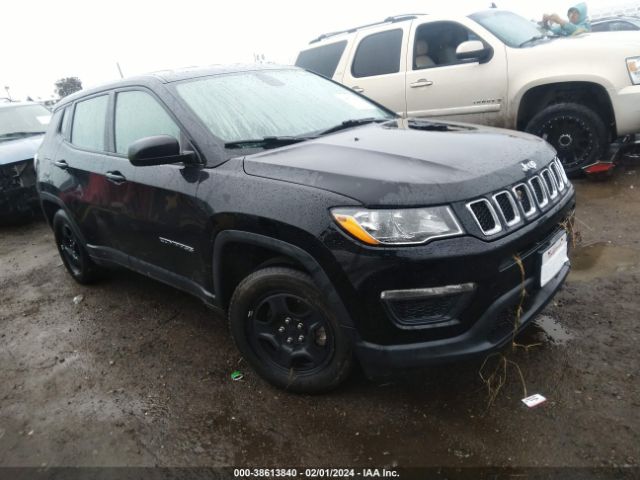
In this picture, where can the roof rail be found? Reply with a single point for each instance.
(393, 19)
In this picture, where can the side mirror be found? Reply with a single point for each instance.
(158, 150)
(474, 50)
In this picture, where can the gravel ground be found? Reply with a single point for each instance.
(137, 374)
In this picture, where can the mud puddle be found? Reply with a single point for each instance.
(602, 259)
(546, 329)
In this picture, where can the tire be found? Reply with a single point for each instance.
(283, 326)
(575, 131)
(72, 251)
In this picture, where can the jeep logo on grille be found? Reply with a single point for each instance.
(529, 166)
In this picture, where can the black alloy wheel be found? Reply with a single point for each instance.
(290, 333)
(72, 252)
(284, 327)
(575, 131)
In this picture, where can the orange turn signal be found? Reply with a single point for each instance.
(351, 226)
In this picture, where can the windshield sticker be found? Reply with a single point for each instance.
(354, 101)
(44, 119)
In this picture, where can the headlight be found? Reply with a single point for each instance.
(633, 66)
(397, 227)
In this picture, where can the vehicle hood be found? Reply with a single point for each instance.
(626, 43)
(382, 166)
(12, 151)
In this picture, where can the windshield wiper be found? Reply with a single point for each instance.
(533, 39)
(265, 142)
(353, 123)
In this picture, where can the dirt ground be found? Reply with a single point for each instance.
(138, 374)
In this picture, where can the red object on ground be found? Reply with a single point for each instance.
(599, 167)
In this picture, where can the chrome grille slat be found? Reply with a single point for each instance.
(539, 192)
(477, 213)
(509, 211)
(561, 170)
(549, 184)
(527, 198)
(555, 173)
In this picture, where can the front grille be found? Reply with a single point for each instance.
(485, 215)
(553, 168)
(525, 199)
(539, 191)
(508, 207)
(549, 183)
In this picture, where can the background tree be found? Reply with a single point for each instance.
(67, 86)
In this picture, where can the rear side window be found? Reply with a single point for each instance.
(89, 121)
(139, 115)
(378, 54)
(323, 60)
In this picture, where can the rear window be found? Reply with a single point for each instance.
(89, 121)
(323, 60)
(378, 54)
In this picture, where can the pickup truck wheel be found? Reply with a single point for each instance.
(575, 131)
(73, 254)
(282, 325)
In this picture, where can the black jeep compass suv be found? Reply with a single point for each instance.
(327, 227)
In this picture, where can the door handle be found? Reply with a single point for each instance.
(357, 89)
(423, 82)
(61, 164)
(115, 177)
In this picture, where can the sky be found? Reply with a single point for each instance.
(43, 40)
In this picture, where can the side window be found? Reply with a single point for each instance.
(139, 115)
(601, 27)
(65, 124)
(89, 121)
(436, 43)
(323, 60)
(378, 54)
(621, 26)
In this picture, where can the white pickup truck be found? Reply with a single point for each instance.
(494, 68)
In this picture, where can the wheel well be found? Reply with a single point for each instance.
(50, 210)
(241, 259)
(588, 94)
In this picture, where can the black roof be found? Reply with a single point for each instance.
(176, 75)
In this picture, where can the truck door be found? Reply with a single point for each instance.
(438, 84)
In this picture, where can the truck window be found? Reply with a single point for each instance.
(378, 54)
(436, 43)
(323, 60)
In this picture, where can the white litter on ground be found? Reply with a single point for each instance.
(534, 400)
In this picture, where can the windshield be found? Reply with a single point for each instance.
(273, 103)
(23, 120)
(512, 29)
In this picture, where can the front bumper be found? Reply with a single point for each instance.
(626, 105)
(491, 331)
